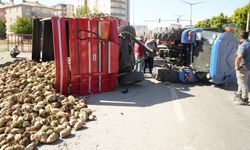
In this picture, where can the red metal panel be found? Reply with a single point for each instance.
(113, 57)
(100, 28)
(73, 57)
(80, 53)
(113, 35)
(94, 60)
(60, 51)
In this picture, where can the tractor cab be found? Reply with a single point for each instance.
(211, 52)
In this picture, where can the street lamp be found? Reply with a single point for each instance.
(191, 11)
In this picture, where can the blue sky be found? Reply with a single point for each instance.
(167, 9)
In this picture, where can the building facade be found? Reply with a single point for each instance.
(3, 5)
(121, 9)
(2, 12)
(27, 9)
(65, 10)
(117, 8)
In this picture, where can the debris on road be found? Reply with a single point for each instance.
(125, 91)
(31, 112)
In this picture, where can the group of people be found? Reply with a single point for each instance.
(242, 64)
(144, 58)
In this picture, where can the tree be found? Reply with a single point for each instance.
(22, 26)
(82, 11)
(240, 17)
(218, 21)
(204, 24)
(2, 29)
(214, 22)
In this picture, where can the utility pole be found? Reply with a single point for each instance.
(248, 19)
(133, 12)
(191, 10)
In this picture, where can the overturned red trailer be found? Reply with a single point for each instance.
(85, 50)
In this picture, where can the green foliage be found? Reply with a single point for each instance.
(240, 17)
(204, 24)
(82, 11)
(2, 29)
(22, 26)
(214, 22)
(218, 21)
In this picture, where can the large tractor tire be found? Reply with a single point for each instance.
(131, 78)
(165, 74)
(129, 29)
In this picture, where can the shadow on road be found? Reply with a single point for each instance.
(143, 94)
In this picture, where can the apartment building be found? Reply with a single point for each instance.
(66, 10)
(2, 12)
(28, 9)
(3, 5)
(118, 8)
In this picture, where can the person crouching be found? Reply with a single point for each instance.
(14, 52)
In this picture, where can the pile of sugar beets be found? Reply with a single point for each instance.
(31, 112)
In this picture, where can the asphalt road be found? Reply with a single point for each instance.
(155, 116)
(5, 56)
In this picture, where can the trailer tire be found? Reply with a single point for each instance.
(129, 29)
(131, 78)
(159, 36)
(165, 74)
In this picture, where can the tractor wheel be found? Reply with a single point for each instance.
(131, 78)
(129, 29)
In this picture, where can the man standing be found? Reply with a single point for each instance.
(242, 66)
(149, 62)
(139, 56)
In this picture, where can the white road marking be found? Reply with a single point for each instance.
(189, 148)
(117, 102)
(178, 110)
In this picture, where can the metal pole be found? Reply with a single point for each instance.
(191, 11)
(248, 18)
(144, 28)
(133, 12)
(191, 15)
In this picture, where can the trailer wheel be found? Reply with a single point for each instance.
(131, 78)
(165, 74)
(129, 29)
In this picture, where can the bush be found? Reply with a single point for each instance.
(22, 26)
(2, 30)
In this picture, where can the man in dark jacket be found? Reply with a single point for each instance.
(149, 62)
(242, 67)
